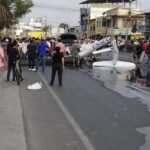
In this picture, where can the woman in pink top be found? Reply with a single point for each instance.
(61, 45)
(2, 64)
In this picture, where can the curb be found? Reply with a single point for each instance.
(138, 89)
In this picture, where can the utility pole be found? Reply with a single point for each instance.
(128, 20)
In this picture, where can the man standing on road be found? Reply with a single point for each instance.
(57, 65)
(42, 47)
(2, 64)
(74, 51)
(144, 52)
(24, 45)
(12, 58)
(31, 54)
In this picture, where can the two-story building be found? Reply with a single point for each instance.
(93, 11)
(101, 27)
(124, 22)
(146, 28)
(97, 28)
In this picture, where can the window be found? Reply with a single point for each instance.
(104, 22)
(125, 23)
(109, 23)
(114, 22)
(101, 22)
(133, 22)
(94, 28)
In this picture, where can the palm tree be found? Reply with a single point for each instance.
(4, 11)
(63, 25)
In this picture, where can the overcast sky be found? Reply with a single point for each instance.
(57, 11)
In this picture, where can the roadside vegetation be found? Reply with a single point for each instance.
(12, 10)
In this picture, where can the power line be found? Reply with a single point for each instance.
(57, 7)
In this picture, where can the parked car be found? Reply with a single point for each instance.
(68, 38)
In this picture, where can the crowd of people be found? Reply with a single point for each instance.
(139, 50)
(34, 51)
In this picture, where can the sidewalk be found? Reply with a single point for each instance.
(11, 123)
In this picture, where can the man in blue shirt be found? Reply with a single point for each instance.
(42, 48)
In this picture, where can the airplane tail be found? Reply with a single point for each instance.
(115, 52)
(89, 48)
(98, 44)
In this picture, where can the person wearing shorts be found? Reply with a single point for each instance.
(74, 52)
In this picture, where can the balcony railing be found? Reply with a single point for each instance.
(143, 28)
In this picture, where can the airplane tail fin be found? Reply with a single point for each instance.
(89, 48)
(115, 53)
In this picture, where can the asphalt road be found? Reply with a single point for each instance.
(108, 120)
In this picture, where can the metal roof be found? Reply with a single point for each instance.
(106, 1)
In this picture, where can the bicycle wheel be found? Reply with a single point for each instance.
(17, 77)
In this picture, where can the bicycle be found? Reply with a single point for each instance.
(18, 72)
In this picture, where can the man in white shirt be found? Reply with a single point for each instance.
(24, 45)
(48, 43)
(50, 47)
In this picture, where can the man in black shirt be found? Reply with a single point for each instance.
(12, 58)
(31, 54)
(57, 65)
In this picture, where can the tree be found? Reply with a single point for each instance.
(45, 29)
(63, 25)
(12, 10)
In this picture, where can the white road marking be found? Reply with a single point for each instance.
(70, 118)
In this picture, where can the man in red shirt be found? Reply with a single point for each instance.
(144, 52)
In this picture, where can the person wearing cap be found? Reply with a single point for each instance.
(57, 65)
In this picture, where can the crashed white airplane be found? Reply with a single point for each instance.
(114, 63)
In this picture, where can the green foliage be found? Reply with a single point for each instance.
(21, 8)
(45, 29)
(12, 10)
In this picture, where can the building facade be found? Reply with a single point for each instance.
(122, 23)
(101, 27)
(92, 11)
(146, 28)
(76, 30)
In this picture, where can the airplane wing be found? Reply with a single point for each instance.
(102, 50)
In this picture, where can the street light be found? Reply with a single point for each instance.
(128, 20)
